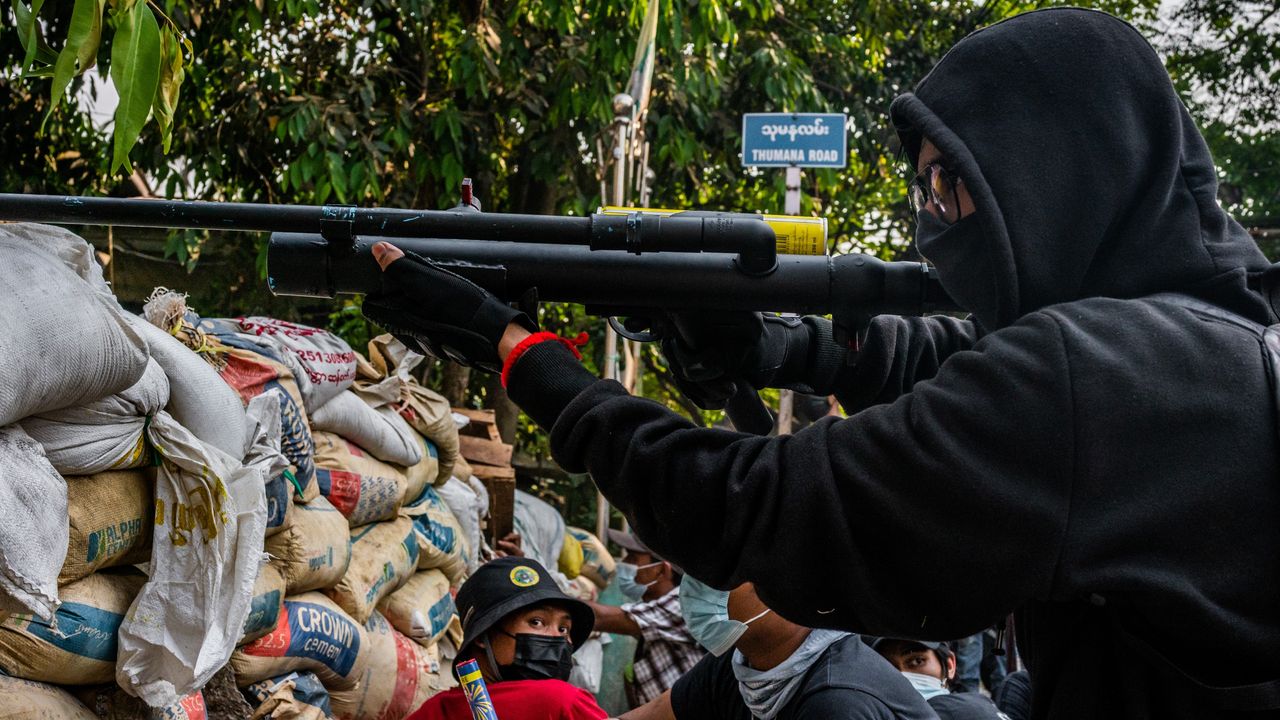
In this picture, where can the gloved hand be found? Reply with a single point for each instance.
(440, 313)
(711, 353)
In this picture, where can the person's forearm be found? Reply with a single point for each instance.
(512, 337)
(658, 708)
(612, 619)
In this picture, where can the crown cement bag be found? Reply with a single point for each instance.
(27, 700)
(422, 609)
(295, 696)
(441, 542)
(107, 434)
(399, 677)
(33, 526)
(82, 650)
(50, 282)
(206, 547)
(363, 488)
(383, 556)
(384, 435)
(314, 550)
(387, 381)
(110, 519)
(312, 634)
(265, 605)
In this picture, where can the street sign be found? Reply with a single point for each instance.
(794, 140)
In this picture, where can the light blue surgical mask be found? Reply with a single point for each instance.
(627, 584)
(706, 614)
(927, 685)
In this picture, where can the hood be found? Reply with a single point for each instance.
(1088, 176)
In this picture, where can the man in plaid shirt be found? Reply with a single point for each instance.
(666, 650)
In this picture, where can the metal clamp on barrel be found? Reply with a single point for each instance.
(337, 226)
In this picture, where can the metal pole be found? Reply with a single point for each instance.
(786, 398)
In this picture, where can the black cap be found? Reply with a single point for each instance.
(507, 584)
(933, 645)
(629, 541)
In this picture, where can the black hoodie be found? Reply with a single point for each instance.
(1105, 464)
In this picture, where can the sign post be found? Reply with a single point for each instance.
(793, 141)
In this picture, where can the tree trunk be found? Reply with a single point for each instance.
(505, 412)
(454, 384)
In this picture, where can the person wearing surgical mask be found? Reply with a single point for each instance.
(665, 650)
(931, 668)
(764, 667)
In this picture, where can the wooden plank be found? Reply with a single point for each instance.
(502, 506)
(486, 472)
(482, 425)
(487, 452)
(476, 415)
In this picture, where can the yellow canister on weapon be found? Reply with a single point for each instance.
(796, 235)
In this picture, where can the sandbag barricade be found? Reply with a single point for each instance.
(264, 429)
(28, 700)
(314, 550)
(426, 473)
(422, 609)
(440, 538)
(361, 487)
(33, 525)
(382, 692)
(383, 556)
(468, 502)
(312, 634)
(384, 435)
(264, 607)
(295, 696)
(82, 650)
(387, 381)
(111, 515)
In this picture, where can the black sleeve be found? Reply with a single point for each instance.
(898, 353)
(850, 705)
(709, 691)
(848, 523)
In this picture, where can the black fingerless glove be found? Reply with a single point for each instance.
(441, 313)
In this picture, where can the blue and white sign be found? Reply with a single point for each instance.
(794, 140)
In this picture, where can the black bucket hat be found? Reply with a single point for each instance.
(507, 584)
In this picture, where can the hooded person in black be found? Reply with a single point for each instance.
(1103, 462)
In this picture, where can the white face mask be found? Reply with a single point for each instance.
(927, 685)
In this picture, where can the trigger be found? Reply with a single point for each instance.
(633, 335)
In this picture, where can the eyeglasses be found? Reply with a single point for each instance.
(936, 185)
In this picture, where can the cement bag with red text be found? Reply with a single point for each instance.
(197, 398)
(28, 700)
(399, 677)
(323, 363)
(82, 650)
(385, 436)
(110, 519)
(265, 605)
(440, 538)
(64, 339)
(294, 696)
(383, 556)
(33, 526)
(263, 418)
(312, 634)
(363, 488)
(387, 381)
(110, 702)
(422, 608)
(106, 434)
(314, 550)
(206, 547)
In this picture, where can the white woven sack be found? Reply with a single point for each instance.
(541, 528)
(380, 431)
(207, 545)
(33, 526)
(469, 502)
(198, 398)
(63, 337)
(106, 434)
(323, 363)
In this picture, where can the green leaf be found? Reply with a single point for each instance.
(28, 29)
(135, 71)
(171, 75)
(80, 51)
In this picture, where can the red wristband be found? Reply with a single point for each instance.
(534, 339)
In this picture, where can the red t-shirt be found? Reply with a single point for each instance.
(517, 700)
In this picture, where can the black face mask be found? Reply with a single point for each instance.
(959, 252)
(538, 657)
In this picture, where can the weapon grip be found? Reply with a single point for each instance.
(747, 411)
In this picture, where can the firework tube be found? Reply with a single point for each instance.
(476, 691)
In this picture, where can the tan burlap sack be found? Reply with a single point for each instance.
(296, 696)
(426, 472)
(264, 608)
(363, 488)
(110, 516)
(314, 551)
(422, 609)
(82, 651)
(311, 634)
(400, 676)
(26, 700)
(383, 556)
(597, 564)
(441, 543)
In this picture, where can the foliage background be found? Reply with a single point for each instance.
(392, 102)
